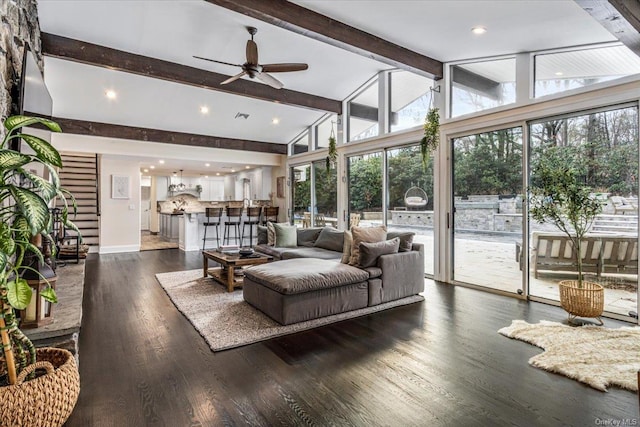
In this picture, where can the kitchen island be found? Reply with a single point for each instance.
(169, 225)
(191, 232)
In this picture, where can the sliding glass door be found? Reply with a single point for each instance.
(602, 148)
(487, 206)
(301, 195)
(410, 197)
(365, 189)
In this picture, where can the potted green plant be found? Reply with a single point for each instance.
(557, 196)
(431, 137)
(24, 212)
(199, 188)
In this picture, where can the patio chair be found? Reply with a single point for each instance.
(622, 206)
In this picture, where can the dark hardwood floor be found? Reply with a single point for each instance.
(440, 362)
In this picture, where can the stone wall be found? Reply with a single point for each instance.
(18, 25)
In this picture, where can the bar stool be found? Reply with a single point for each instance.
(214, 216)
(234, 220)
(253, 218)
(270, 214)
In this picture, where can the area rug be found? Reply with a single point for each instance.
(593, 355)
(226, 321)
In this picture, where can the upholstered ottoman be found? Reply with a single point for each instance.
(300, 289)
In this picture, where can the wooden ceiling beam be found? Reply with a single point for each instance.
(108, 130)
(101, 56)
(303, 21)
(620, 17)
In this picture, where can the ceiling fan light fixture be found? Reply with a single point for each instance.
(254, 69)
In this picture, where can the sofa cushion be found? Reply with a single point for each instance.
(271, 250)
(406, 239)
(302, 252)
(286, 236)
(331, 239)
(295, 276)
(346, 248)
(365, 234)
(369, 252)
(308, 236)
(373, 272)
(262, 235)
(271, 232)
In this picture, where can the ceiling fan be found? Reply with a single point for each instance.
(253, 69)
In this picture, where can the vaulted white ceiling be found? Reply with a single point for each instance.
(176, 30)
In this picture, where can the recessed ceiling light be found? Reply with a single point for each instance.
(146, 170)
(110, 94)
(217, 173)
(207, 164)
(247, 167)
(559, 73)
(275, 121)
(152, 167)
(233, 170)
(478, 30)
(206, 176)
(204, 109)
(161, 162)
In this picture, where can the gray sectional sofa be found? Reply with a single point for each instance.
(309, 281)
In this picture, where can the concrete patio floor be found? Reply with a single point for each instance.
(490, 261)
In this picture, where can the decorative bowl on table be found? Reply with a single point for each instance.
(245, 252)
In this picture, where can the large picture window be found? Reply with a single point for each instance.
(478, 86)
(562, 71)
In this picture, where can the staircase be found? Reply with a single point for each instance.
(615, 224)
(79, 176)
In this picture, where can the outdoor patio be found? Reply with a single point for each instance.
(490, 261)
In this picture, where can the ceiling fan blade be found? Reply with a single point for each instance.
(283, 68)
(217, 62)
(234, 78)
(270, 80)
(252, 52)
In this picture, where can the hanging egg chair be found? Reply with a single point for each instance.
(415, 199)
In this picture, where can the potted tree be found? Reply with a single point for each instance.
(558, 197)
(28, 398)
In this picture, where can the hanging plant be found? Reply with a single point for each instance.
(431, 138)
(332, 156)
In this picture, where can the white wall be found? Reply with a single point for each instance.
(120, 218)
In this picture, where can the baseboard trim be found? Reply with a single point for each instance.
(119, 249)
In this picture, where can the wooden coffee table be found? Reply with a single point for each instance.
(226, 274)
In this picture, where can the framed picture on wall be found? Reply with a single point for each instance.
(280, 187)
(119, 186)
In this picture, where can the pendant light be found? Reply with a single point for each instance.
(181, 186)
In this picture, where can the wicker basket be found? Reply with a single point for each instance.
(46, 400)
(587, 301)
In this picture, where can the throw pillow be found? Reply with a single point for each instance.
(346, 248)
(330, 239)
(271, 232)
(286, 236)
(365, 234)
(369, 252)
(406, 239)
(262, 235)
(308, 236)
